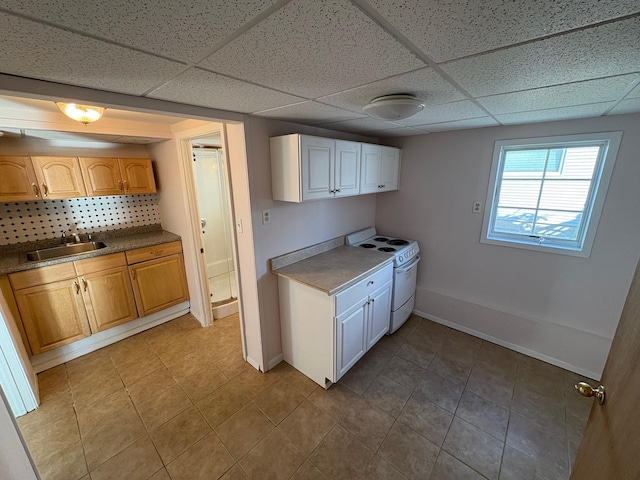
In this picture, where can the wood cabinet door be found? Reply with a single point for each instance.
(53, 314)
(389, 168)
(108, 298)
(18, 180)
(317, 163)
(159, 284)
(137, 175)
(59, 177)
(379, 314)
(370, 168)
(347, 168)
(351, 333)
(101, 176)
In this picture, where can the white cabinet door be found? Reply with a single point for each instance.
(317, 157)
(347, 169)
(389, 169)
(351, 337)
(370, 168)
(379, 313)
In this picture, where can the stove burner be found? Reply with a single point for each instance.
(380, 239)
(368, 245)
(386, 249)
(397, 241)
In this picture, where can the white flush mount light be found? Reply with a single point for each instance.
(81, 113)
(393, 107)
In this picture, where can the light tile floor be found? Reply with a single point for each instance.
(178, 402)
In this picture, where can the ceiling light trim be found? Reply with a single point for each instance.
(394, 107)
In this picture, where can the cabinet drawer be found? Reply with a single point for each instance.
(40, 276)
(363, 288)
(96, 264)
(156, 251)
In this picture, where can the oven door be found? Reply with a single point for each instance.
(404, 282)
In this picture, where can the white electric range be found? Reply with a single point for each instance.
(405, 263)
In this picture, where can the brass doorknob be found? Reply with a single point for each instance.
(587, 390)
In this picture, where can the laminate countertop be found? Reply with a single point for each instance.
(336, 269)
(13, 257)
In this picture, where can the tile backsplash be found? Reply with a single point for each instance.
(43, 219)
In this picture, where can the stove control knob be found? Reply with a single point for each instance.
(400, 258)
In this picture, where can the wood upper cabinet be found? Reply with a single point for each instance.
(137, 175)
(106, 291)
(59, 177)
(18, 180)
(159, 283)
(117, 176)
(50, 306)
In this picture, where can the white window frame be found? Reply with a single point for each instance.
(599, 187)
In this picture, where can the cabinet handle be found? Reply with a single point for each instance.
(133, 274)
(126, 186)
(84, 284)
(45, 190)
(120, 187)
(337, 191)
(370, 282)
(36, 192)
(76, 287)
(156, 252)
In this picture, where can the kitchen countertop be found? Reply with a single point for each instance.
(336, 269)
(13, 257)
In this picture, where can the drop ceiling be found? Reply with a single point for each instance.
(474, 63)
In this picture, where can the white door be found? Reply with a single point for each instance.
(379, 314)
(351, 333)
(347, 169)
(317, 157)
(389, 168)
(370, 168)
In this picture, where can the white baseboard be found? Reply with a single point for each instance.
(253, 363)
(569, 348)
(276, 360)
(47, 360)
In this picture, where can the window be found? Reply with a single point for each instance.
(547, 194)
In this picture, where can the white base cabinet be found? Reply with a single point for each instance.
(323, 336)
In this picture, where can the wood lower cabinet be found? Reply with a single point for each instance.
(106, 291)
(52, 312)
(159, 284)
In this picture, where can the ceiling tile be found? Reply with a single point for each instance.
(397, 132)
(448, 112)
(635, 93)
(312, 49)
(33, 50)
(549, 115)
(311, 113)
(207, 89)
(425, 84)
(360, 125)
(570, 94)
(629, 105)
(450, 29)
(181, 29)
(458, 125)
(611, 49)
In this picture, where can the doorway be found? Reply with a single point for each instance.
(213, 200)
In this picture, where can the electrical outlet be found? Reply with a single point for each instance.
(477, 207)
(266, 216)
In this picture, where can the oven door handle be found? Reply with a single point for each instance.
(408, 267)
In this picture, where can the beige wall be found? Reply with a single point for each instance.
(559, 308)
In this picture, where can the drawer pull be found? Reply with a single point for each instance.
(156, 252)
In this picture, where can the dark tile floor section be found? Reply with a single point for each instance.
(178, 402)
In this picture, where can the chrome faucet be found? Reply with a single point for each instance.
(63, 238)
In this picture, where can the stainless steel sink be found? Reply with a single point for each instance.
(64, 251)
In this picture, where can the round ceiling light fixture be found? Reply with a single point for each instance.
(81, 113)
(394, 107)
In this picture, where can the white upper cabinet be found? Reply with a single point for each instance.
(306, 168)
(380, 168)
